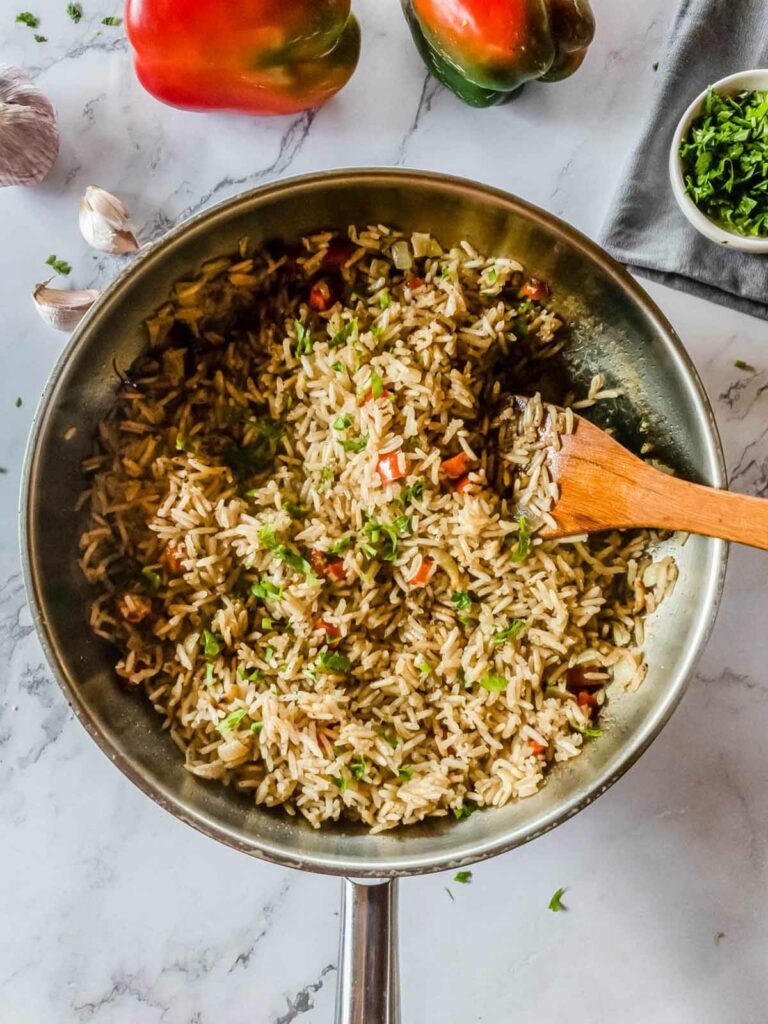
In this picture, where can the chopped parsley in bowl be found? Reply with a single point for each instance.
(719, 162)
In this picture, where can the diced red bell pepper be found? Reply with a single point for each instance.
(320, 296)
(134, 608)
(173, 556)
(535, 289)
(421, 577)
(370, 396)
(392, 466)
(333, 632)
(456, 467)
(586, 700)
(318, 561)
(537, 748)
(462, 483)
(415, 282)
(245, 56)
(336, 570)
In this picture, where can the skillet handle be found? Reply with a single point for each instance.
(368, 988)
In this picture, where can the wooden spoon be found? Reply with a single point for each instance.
(605, 487)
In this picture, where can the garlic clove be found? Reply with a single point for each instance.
(63, 309)
(29, 138)
(105, 223)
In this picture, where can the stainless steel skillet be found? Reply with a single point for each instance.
(615, 329)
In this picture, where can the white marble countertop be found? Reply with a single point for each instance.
(110, 909)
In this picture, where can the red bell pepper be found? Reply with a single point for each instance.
(244, 56)
(484, 50)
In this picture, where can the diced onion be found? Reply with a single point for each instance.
(401, 255)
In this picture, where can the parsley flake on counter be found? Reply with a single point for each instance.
(112, 20)
(18, 403)
(740, 364)
(554, 903)
(40, 39)
(60, 266)
(464, 877)
(724, 156)
(75, 11)
(28, 19)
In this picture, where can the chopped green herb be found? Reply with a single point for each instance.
(377, 385)
(40, 39)
(377, 331)
(341, 782)
(75, 11)
(60, 266)
(342, 337)
(267, 537)
(655, 65)
(424, 667)
(387, 739)
(233, 718)
(303, 339)
(342, 422)
(494, 684)
(357, 767)
(445, 272)
(257, 726)
(403, 525)
(334, 661)
(293, 559)
(269, 655)
(464, 811)
(151, 578)
(461, 600)
(464, 877)
(266, 622)
(491, 276)
(341, 545)
(251, 677)
(181, 444)
(381, 542)
(554, 903)
(294, 510)
(523, 540)
(337, 367)
(28, 19)
(414, 492)
(247, 460)
(741, 365)
(3, 469)
(355, 446)
(209, 673)
(509, 632)
(384, 298)
(405, 774)
(18, 403)
(211, 643)
(724, 159)
(267, 589)
(587, 732)
(111, 20)
(466, 620)
(326, 473)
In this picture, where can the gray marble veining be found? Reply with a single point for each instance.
(111, 912)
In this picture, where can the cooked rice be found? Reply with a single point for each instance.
(229, 460)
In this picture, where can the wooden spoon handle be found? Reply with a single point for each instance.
(671, 504)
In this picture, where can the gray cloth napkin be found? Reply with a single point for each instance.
(645, 228)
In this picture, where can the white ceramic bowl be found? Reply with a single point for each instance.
(757, 79)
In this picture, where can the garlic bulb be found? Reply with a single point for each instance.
(104, 222)
(63, 309)
(29, 138)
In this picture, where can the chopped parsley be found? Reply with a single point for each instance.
(464, 811)
(384, 298)
(342, 337)
(257, 726)
(405, 774)
(494, 684)
(211, 643)
(491, 276)
(266, 623)
(387, 739)
(294, 510)
(209, 673)
(60, 266)
(414, 492)
(342, 422)
(75, 11)
(28, 19)
(724, 159)
(554, 903)
(587, 732)
(293, 559)
(269, 654)
(40, 39)
(381, 540)
(326, 473)
(355, 446)
(233, 718)
(334, 661)
(424, 667)
(523, 545)
(18, 403)
(377, 385)
(151, 578)
(267, 537)
(464, 877)
(111, 20)
(303, 339)
(250, 677)
(341, 545)
(509, 632)
(337, 367)
(461, 600)
(267, 589)
(341, 782)
(357, 767)
(740, 364)
(403, 525)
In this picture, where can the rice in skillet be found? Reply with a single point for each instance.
(300, 548)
